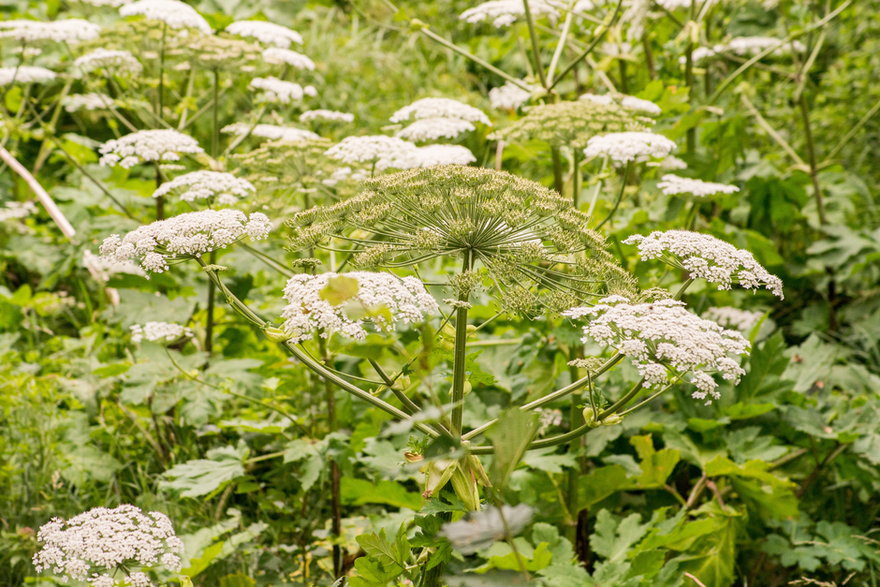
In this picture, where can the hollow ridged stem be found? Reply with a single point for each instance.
(460, 354)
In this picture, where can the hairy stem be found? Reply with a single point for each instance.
(460, 354)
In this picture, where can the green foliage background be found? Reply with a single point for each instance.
(774, 484)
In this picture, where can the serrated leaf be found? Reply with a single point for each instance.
(656, 465)
(614, 536)
(206, 476)
(310, 454)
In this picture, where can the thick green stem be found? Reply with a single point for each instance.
(460, 354)
(811, 157)
(533, 38)
(335, 494)
(160, 200)
(209, 318)
(558, 182)
(623, 178)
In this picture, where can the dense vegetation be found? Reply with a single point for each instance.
(481, 374)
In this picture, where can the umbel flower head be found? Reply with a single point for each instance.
(326, 116)
(34, 31)
(205, 185)
(159, 332)
(173, 13)
(148, 145)
(628, 147)
(665, 341)
(674, 185)
(628, 102)
(267, 33)
(572, 123)
(25, 74)
(276, 91)
(184, 236)
(432, 129)
(279, 56)
(271, 131)
(704, 256)
(94, 546)
(502, 13)
(736, 318)
(440, 108)
(117, 62)
(286, 165)
(509, 96)
(525, 241)
(342, 303)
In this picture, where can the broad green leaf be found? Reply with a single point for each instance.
(358, 492)
(379, 549)
(237, 580)
(601, 483)
(510, 437)
(206, 476)
(656, 466)
(713, 557)
(310, 454)
(614, 536)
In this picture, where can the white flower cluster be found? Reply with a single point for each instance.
(117, 61)
(159, 332)
(678, 4)
(431, 129)
(326, 115)
(483, 528)
(93, 545)
(662, 336)
(371, 149)
(393, 153)
(673, 185)
(508, 97)
(176, 14)
(344, 174)
(754, 45)
(625, 147)
(32, 31)
(276, 91)
(113, 3)
(280, 56)
(670, 163)
(502, 13)
(90, 102)
(185, 235)
(388, 299)
(438, 118)
(25, 74)
(628, 102)
(431, 155)
(148, 145)
(440, 108)
(267, 33)
(729, 317)
(271, 132)
(202, 185)
(704, 256)
(103, 268)
(15, 210)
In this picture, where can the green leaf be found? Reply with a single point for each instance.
(311, 454)
(381, 550)
(358, 492)
(339, 290)
(613, 536)
(510, 437)
(601, 483)
(237, 580)
(713, 559)
(369, 573)
(656, 466)
(206, 476)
